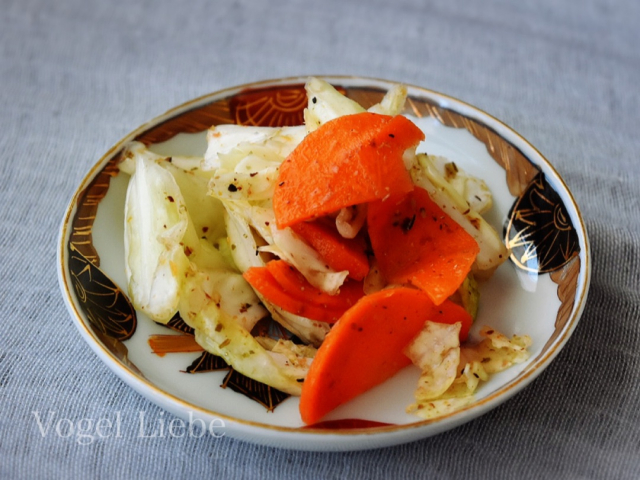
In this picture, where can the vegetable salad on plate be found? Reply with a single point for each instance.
(369, 253)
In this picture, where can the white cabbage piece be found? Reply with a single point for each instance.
(247, 173)
(205, 211)
(248, 170)
(470, 295)
(439, 407)
(205, 215)
(492, 252)
(325, 104)
(236, 298)
(312, 332)
(242, 242)
(201, 252)
(293, 353)
(221, 335)
(436, 350)
(228, 291)
(261, 218)
(493, 354)
(155, 223)
(447, 175)
(393, 101)
(374, 281)
(161, 237)
(350, 220)
(235, 186)
(250, 157)
(188, 164)
(222, 139)
(496, 352)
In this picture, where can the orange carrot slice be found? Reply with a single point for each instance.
(307, 302)
(363, 349)
(347, 161)
(294, 283)
(264, 282)
(338, 252)
(163, 344)
(416, 242)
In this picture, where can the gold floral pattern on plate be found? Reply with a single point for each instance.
(540, 234)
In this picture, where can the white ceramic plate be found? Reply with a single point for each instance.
(540, 291)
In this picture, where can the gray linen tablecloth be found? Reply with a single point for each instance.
(76, 76)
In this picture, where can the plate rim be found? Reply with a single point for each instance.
(318, 438)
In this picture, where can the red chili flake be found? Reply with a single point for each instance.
(170, 198)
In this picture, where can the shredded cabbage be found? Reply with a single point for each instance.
(493, 354)
(155, 223)
(223, 139)
(460, 186)
(221, 335)
(436, 350)
(326, 103)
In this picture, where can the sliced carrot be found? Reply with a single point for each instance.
(163, 344)
(450, 313)
(294, 283)
(262, 280)
(347, 161)
(338, 252)
(416, 242)
(348, 423)
(363, 349)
